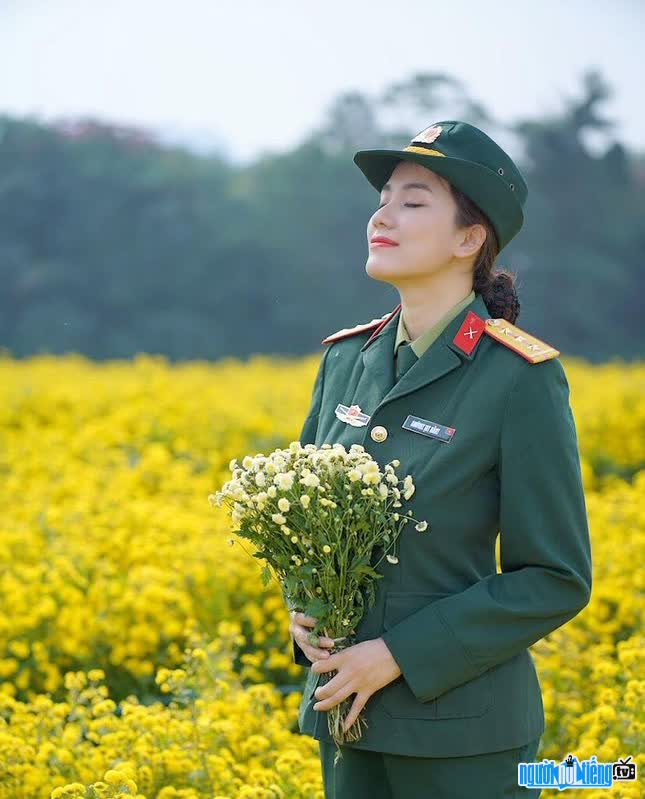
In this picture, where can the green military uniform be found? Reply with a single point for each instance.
(480, 417)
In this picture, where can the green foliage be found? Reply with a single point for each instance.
(112, 244)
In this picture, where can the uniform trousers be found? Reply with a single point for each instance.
(361, 774)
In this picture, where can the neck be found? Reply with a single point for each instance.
(422, 306)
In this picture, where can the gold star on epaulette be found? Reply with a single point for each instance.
(351, 331)
(529, 347)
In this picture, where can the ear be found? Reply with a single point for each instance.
(470, 240)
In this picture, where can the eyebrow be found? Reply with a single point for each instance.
(425, 186)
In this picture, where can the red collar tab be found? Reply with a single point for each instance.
(469, 333)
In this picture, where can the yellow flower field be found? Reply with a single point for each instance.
(140, 653)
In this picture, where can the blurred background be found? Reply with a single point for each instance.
(177, 178)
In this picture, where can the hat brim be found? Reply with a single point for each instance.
(481, 184)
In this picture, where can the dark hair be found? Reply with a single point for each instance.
(497, 286)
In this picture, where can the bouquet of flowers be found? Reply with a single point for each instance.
(317, 517)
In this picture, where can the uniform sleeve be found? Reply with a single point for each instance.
(308, 436)
(310, 426)
(545, 551)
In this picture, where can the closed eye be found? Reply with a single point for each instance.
(410, 205)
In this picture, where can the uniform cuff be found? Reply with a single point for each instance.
(299, 656)
(428, 653)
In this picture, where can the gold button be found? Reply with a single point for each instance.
(379, 433)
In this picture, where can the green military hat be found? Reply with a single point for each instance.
(467, 158)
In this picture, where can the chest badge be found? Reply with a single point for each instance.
(352, 415)
(431, 429)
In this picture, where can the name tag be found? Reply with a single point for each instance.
(430, 429)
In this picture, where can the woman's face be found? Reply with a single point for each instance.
(417, 211)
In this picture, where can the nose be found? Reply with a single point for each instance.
(381, 218)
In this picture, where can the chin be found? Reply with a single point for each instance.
(378, 269)
(386, 272)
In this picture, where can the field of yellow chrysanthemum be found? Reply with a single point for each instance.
(140, 655)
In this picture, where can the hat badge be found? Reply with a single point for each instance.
(428, 135)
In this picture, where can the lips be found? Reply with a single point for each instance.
(383, 241)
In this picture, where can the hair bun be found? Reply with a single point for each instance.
(501, 297)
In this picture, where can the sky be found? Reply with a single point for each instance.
(259, 76)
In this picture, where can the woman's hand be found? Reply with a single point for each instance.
(362, 670)
(299, 629)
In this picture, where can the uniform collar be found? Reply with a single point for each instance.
(438, 360)
(422, 342)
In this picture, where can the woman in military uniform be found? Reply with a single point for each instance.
(477, 411)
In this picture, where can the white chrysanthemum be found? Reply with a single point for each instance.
(372, 477)
(396, 463)
(311, 480)
(382, 489)
(284, 480)
(421, 526)
(239, 494)
(260, 479)
(272, 491)
(305, 501)
(354, 475)
(396, 517)
(232, 465)
(295, 447)
(392, 558)
(392, 478)
(247, 462)
(280, 463)
(408, 487)
(278, 518)
(284, 504)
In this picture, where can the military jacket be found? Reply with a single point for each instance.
(459, 629)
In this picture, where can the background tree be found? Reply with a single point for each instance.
(112, 243)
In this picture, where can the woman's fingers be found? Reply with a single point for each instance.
(299, 628)
(305, 621)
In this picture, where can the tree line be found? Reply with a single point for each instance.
(113, 243)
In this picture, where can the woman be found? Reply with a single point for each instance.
(477, 411)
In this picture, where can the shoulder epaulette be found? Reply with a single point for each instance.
(352, 331)
(526, 345)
